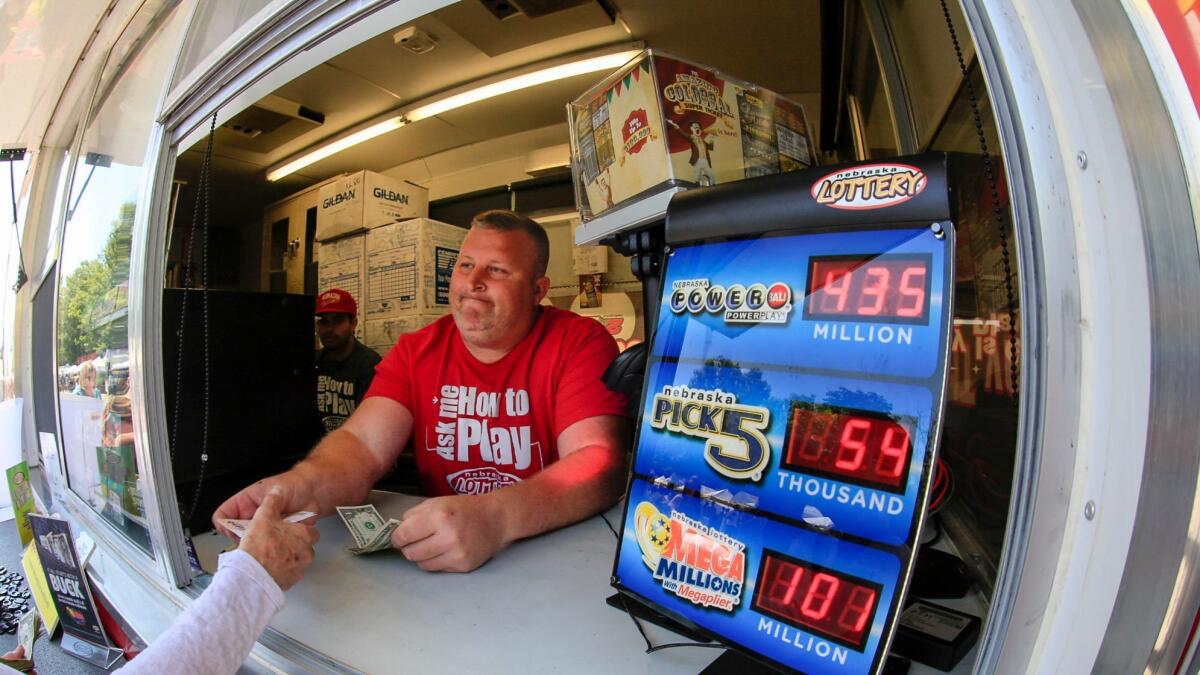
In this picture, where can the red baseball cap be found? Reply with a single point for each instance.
(336, 301)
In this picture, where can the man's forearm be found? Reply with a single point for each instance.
(578, 486)
(339, 471)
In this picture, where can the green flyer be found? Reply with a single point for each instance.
(22, 499)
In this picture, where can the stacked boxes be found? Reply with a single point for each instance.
(408, 267)
(342, 263)
(662, 122)
(377, 243)
(365, 199)
(381, 334)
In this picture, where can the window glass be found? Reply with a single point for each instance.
(979, 438)
(958, 132)
(213, 24)
(93, 331)
(930, 69)
(867, 129)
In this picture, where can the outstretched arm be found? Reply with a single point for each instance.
(460, 533)
(218, 630)
(340, 470)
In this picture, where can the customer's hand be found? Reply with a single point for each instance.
(284, 549)
(450, 534)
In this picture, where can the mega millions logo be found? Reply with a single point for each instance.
(756, 303)
(690, 559)
(873, 186)
(735, 444)
(635, 132)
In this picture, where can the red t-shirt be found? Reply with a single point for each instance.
(480, 426)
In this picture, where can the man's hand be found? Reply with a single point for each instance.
(294, 495)
(451, 534)
(284, 549)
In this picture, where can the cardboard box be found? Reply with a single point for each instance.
(662, 122)
(408, 267)
(381, 334)
(590, 259)
(342, 263)
(365, 199)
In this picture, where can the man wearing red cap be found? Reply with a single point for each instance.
(345, 366)
(514, 431)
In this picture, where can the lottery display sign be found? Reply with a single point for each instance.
(791, 412)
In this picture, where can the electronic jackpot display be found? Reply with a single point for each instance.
(791, 410)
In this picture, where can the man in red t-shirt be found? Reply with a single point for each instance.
(514, 431)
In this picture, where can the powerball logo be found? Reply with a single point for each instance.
(757, 303)
(700, 564)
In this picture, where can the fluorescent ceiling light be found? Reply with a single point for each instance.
(551, 74)
(390, 124)
(459, 98)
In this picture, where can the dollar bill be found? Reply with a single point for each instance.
(364, 522)
(381, 542)
(25, 636)
(239, 526)
(28, 631)
(370, 532)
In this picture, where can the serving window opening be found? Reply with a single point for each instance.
(253, 242)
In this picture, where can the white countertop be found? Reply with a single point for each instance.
(538, 606)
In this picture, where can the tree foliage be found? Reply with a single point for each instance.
(93, 291)
(78, 301)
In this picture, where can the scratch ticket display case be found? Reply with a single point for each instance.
(662, 123)
(792, 410)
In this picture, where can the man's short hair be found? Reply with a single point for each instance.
(509, 221)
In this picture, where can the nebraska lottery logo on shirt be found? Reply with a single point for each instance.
(475, 426)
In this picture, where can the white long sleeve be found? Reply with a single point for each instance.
(214, 636)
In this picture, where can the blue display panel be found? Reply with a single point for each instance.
(812, 602)
(787, 433)
(723, 427)
(876, 305)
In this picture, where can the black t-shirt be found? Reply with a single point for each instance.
(341, 385)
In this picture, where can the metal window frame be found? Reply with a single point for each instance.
(1098, 184)
(892, 73)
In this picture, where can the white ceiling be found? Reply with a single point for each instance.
(773, 43)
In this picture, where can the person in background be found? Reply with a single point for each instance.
(216, 633)
(514, 431)
(87, 381)
(345, 366)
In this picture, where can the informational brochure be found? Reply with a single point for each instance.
(22, 499)
(40, 589)
(83, 634)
